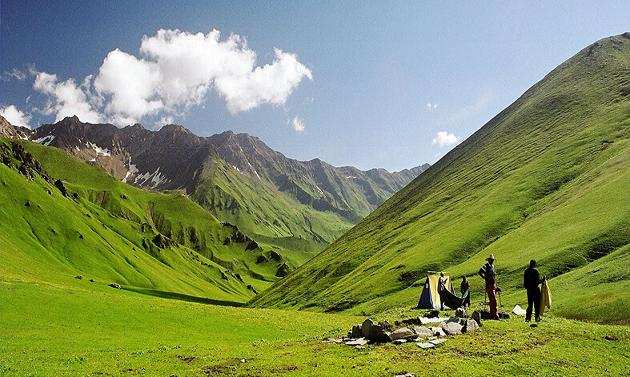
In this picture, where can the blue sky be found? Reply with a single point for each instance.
(375, 66)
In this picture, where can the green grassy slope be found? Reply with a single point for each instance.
(547, 178)
(112, 232)
(77, 328)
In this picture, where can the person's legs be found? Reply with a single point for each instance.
(530, 305)
(492, 298)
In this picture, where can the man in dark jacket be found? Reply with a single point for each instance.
(531, 280)
(464, 289)
(489, 275)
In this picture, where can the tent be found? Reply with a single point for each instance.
(430, 298)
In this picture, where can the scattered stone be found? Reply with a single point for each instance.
(461, 321)
(399, 341)
(79, 277)
(422, 332)
(611, 337)
(426, 345)
(471, 326)
(533, 325)
(438, 331)
(374, 332)
(427, 321)
(402, 333)
(519, 311)
(477, 317)
(92, 281)
(452, 328)
(404, 374)
(437, 341)
(115, 285)
(460, 312)
(27, 203)
(356, 342)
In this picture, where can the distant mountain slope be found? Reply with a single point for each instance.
(283, 203)
(547, 178)
(60, 215)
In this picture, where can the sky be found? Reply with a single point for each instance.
(370, 83)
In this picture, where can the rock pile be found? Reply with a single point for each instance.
(426, 332)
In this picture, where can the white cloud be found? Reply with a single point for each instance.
(445, 139)
(65, 98)
(131, 84)
(431, 106)
(15, 116)
(297, 124)
(174, 71)
(14, 74)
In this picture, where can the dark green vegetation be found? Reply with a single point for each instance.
(548, 178)
(90, 224)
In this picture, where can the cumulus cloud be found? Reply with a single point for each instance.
(297, 124)
(15, 116)
(174, 71)
(445, 139)
(65, 98)
(431, 106)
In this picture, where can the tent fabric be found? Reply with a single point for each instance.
(453, 301)
(545, 297)
(430, 297)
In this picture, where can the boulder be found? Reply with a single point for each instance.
(438, 331)
(366, 327)
(461, 321)
(452, 328)
(374, 332)
(471, 326)
(460, 312)
(422, 332)
(356, 342)
(355, 332)
(437, 341)
(402, 333)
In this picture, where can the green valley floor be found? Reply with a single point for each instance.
(75, 327)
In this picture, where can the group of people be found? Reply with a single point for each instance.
(531, 282)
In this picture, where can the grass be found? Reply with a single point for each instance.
(546, 179)
(74, 327)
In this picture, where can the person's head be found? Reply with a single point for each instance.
(464, 279)
(442, 274)
(490, 259)
(532, 263)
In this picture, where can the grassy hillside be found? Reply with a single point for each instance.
(547, 178)
(108, 231)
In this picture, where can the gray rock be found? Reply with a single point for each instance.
(471, 326)
(406, 375)
(422, 332)
(399, 341)
(426, 345)
(402, 333)
(437, 342)
(115, 285)
(356, 342)
(452, 328)
(438, 332)
(366, 327)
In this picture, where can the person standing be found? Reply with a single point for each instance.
(488, 273)
(464, 289)
(442, 289)
(531, 280)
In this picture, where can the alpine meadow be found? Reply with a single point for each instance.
(145, 230)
